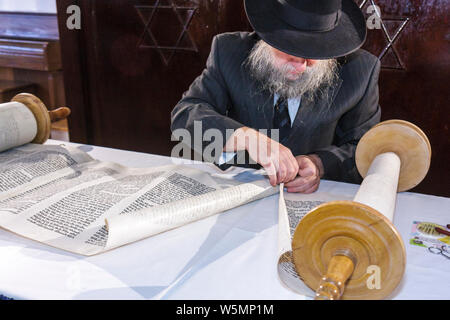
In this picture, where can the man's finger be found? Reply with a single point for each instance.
(313, 188)
(308, 171)
(299, 181)
(294, 169)
(306, 167)
(281, 174)
(291, 171)
(304, 187)
(291, 175)
(271, 171)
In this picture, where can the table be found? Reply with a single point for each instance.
(232, 255)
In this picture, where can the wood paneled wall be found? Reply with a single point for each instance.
(129, 65)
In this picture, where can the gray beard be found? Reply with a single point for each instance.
(308, 85)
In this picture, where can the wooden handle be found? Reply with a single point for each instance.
(59, 114)
(332, 285)
(44, 118)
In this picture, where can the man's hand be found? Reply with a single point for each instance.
(309, 174)
(278, 161)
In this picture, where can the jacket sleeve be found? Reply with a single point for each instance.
(339, 159)
(204, 106)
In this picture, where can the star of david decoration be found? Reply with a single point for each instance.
(148, 38)
(391, 27)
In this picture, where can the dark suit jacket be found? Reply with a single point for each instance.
(224, 97)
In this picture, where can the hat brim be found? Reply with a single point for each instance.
(348, 36)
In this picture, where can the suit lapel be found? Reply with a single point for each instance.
(310, 108)
(266, 101)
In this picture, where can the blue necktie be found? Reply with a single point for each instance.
(281, 119)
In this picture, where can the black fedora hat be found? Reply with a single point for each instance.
(313, 29)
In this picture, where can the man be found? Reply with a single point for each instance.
(300, 72)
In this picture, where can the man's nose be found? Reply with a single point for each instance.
(298, 63)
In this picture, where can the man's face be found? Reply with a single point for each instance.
(287, 75)
(295, 66)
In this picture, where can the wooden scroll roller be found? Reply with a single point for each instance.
(337, 245)
(33, 120)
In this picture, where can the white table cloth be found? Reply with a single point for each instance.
(232, 255)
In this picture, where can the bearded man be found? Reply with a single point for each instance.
(302, 75)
